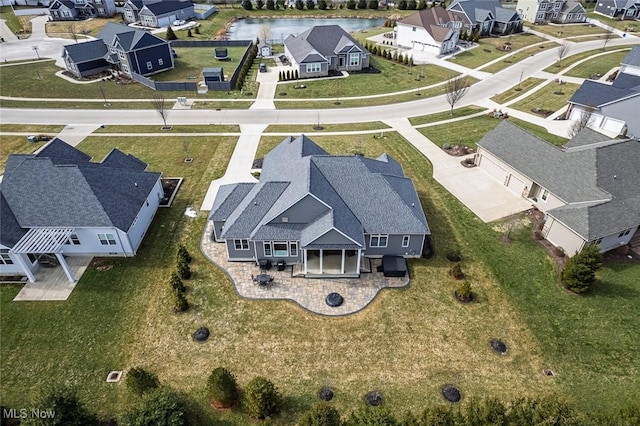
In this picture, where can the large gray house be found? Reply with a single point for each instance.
(157, 13)
(325, 48)
(487, 17)
(327, 213)
(58, 203)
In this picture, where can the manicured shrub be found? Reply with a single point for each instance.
(176, 282)
(180, 301)
(456, 271)
(222, 387)
(259, 4)
(371, 416)
(189, 33)
(402, 5)
(183, 254)
(362, 4)
(422, 5)
(295, 74)
(373, 4)
(197, 29)
(271, 5)
(299, 4)
(140, 381)
(247, 5)
(310, 4)
(489, 411)
(412, 5)
(183, 270)
(170, 35)
(463, 292)
(321, 414)
(62, 401)
(160, 407)
(580, 271)
(261, 398)
(351, 4)
(440, 415)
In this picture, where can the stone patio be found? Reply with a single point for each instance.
(310, 294)
(52, 283)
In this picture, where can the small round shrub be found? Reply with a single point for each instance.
(158, 407)
(222, 387)
(558, 251)
(321, 414)
(537, 235)
(140, 381)
(456, 271)
(180, 301)
(261, 398)
(463, 292)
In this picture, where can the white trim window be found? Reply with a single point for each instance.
(293, 249)
(378, 240)
(241, 245)
(5, 259)
(280, 249)
(73, 239)
(405, 240)
(354, 59)
(268, 249)
(107, 239)
(315, 67)
(160, 61)
(149, 65)
(624, 233)
(545, 195)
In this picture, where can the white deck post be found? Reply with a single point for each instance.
(65, 267)
(27, 271)
(358, 268)
(342, 266)
(320, 261)
(305, 260)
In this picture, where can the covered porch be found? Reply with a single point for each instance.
(43, 241)
(332, 262)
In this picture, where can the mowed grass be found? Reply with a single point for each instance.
(12, 21)
(308, 128)
(552, 97)
(517, 57)
(571, 59)
(183, 128)
(393, 77)
(445, 115)
(513, 92)
(406, 344)
(88, 27)
(464, 132)
(539, 131)
(12, 144)
(599, 65)
(567, 30)
(486, 50)
(191, 60)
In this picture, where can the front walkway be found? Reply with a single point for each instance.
(308, 293)
(52, 283)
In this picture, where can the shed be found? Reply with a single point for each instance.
(213, 74)
(394, 266)
(265, 49)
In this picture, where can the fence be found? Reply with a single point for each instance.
(203, 11)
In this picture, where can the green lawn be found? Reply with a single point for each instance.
(191, 60)
(465, 132)
(351, 127)
(13, 22)
(539, 131)
(10, 144)
(517, 57)
(445, 115)
(565, 31)
(393, 77)
(407, 343)
(200, 128)
(570, 59)
(552, 97)
(599, 65)
(486, 50)
(628, 26)
(513, 92)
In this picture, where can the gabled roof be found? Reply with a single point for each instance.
(573, 7)
(60, 187)
(57, 4)
(595, 94)
(119, 160)
(598, 180)
(228, 198)
(87, 51)
(586, 137)
(318, 43)
(129, 38)
(633, 57)
(433, 20)
(627, 81)
(353, 195)
(167, 6)
(10, 230)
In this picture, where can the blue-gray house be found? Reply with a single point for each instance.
(326, 213)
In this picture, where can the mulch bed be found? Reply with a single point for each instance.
(458, 150)
(168, 187)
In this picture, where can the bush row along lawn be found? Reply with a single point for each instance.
(600, 65)
(308, 128)
(445, 115)
(517, 57)
(572, 59)
(191, 60)
(551, 97)
(513, 93)
(183, 128)
(393, 77)
(420, 338)
(565, 31)
(38, 81)
(486, 50)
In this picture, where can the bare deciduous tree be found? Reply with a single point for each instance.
(72, 30)
(606, 38)
(585, 120)
(518, 88)
(103, 92)
(455, 89)
(161, 106)
(264, 34)
(563, 50)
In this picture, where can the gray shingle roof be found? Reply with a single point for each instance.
(595, 94)
(86, 51)
(68, 190)
(320, 42)
(363, 196)
(119, 160)
(586, 136)
(129, 38)
(228, 198)
(633, 57)
(168, 6)
(599, 180)
(10, 229)
(627, 81)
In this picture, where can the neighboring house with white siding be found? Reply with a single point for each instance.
(59, 203)
(433, 30)
(587, 189)
(325, 213)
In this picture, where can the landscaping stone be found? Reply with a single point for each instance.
(201, 334)
(499, 346)
(325, 394)
(374, 398)
(450, 393)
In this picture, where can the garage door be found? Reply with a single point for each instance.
(613, 125)
(493, 169)
(516, 185)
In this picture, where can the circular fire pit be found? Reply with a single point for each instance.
(451, 393)
(334, 300)
(201, 334)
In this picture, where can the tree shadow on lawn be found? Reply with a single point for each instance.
(605, 288)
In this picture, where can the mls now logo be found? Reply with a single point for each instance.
(23, 413)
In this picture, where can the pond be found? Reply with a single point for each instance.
(279, 29)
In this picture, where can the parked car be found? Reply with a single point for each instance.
(179, 22)
(262, 67)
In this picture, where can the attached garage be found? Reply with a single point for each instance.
(516, 185)
(493, 168)
(613, 125)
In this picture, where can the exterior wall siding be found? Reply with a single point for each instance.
(288, 259)
(153, 55)
(333, 237)
(394, 246)
(627, 111)
(612, 241)
(217, 230)
(561, 236)
(240, 254)
(145, 216)
(90, 243)
(304, 211)
(419, 39)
